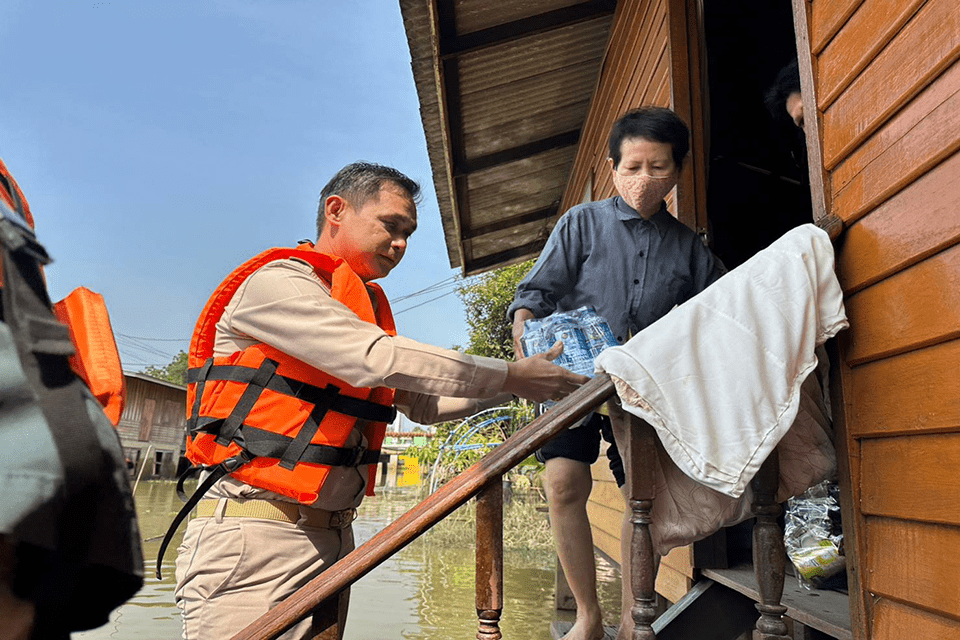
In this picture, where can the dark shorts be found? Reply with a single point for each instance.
(583, 444)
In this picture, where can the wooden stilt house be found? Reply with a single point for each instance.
(517, 100)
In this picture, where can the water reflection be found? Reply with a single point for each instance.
(426, 591)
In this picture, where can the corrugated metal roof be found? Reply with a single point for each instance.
(504, 91)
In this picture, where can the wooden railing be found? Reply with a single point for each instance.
(483, 478)
(637, 441)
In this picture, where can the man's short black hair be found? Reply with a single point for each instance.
(359, 181)
(786, 83)
(657, 124)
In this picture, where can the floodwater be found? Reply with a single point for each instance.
(425, 591)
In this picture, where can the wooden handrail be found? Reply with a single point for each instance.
(434, 508)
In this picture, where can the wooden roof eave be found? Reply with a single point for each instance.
(423, 35)
(437, 52)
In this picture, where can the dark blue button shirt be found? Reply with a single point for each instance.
(632, 271)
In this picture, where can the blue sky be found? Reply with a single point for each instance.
(161, 144)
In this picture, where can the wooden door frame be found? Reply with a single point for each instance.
(847, 448)
(688, 99)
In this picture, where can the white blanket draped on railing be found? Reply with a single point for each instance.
(725, 377)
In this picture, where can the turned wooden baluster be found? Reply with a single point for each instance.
(768, 552)
(490, 559)
(640, 458)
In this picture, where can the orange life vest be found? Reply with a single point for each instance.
(96, 359)
(276, 422)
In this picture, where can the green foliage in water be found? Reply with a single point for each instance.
(459, 444)
(526, 528)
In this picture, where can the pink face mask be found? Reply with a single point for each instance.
(642, 192)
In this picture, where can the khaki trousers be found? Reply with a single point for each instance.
(232, 570)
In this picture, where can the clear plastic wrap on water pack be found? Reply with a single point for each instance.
(814, 539)
(584, 335)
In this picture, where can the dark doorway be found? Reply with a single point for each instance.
(758, 186)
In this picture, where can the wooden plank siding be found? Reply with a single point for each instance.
(912, 478)
(869, 29)
(915, 563)
(916, 392)
(878, 178)
(887, 80)
(894, 237)
(927, 44)
(895, 621)
(827, 18)
(881, 324)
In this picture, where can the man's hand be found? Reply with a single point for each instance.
(536, 378)
(519, 317)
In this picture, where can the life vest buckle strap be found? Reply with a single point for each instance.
(347, 405)
(245, 404)
(294, 451)
(202, 372)
(359, 455)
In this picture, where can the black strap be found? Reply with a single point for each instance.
(261, 443)
(354, 407)
(294, 451)
(198, 392)
(188, 473)
(222, 469)
(259, 381)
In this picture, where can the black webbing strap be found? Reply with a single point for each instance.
(188, 473)
(261, 443)
(261, 378)
(198, 392)
(291, 456)
(222, 469)
(353, 407)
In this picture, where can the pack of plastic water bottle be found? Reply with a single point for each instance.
(584, 335)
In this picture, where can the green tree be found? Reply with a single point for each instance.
(486, 298)
(175, 372)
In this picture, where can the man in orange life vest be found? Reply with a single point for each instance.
(299, 343)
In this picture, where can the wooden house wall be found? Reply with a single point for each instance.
(887, 82)
(153, 413)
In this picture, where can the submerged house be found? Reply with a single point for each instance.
(517, 100)
(153, 427)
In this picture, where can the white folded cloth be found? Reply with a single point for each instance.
(719, 379)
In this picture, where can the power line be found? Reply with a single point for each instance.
(128, 343)
(452, 281)
(152, 339)
(422, 303)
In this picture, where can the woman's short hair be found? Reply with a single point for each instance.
(658, 124)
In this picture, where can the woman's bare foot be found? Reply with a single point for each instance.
(584, 629)
(626, 628)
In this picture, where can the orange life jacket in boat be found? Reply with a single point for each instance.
(96, 359)
(276, 422)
